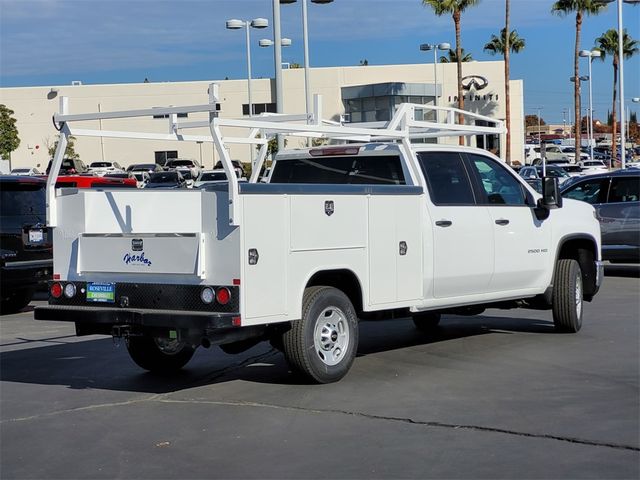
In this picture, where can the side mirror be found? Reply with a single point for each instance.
(551, 197)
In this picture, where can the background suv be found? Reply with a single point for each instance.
(25, 243)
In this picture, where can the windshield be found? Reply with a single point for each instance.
(20, 170)
(569, 149)
(163, 177)
(181, 163)
(211, 176)
(100, 164)
(554, 172)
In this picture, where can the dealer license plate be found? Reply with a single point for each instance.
(101, 292)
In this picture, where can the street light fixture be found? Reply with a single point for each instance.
(590, 54)
(435, 47)
(285, 42)
(235, 24)
(623, 141)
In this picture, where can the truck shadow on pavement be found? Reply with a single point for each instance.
(95, 363)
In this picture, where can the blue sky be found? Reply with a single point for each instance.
(52, 42)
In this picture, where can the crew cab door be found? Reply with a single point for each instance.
(462, 230)
(521, 241)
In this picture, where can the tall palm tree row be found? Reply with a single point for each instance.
(455, 9)
(608, 44)
(581, 8)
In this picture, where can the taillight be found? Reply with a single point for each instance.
(56, 290)
(223, 295)
(69, 290)
(324, 152)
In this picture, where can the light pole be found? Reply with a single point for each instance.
(235, 24)
(578, 121)
(621, 79)
(590, 54)
(425, 47)
(305, 41)
(542, 152)
(564, 122)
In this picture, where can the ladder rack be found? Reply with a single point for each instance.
(403, 127)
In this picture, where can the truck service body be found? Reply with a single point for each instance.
(382, 227)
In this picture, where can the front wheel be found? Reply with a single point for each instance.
(159, 354)
(323, 344)
(567, 296)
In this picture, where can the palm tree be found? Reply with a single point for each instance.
(581, 7)
(452, 57)
(505, 45)
(455, 9)
(608, 44)
(498, 44)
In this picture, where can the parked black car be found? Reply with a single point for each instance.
(616, 199)
(70, 166)
(26, 258)
(171, 179)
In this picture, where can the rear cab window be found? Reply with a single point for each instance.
(355, 170)
(22, 198)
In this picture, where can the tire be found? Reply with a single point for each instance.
(426, 321)
(567, 296)
(159, 355)
(15, 300)
(323, 344)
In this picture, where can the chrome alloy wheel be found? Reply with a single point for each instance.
(331, 336)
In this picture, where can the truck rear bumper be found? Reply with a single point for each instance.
(104, 318)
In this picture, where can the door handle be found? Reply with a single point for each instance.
(444, 223)
(502, 221)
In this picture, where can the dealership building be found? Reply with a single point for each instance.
(351, 94)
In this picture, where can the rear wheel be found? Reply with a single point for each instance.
(323, 344)
(15, 300)
(159, 354)
(426, 321)
(567, 296)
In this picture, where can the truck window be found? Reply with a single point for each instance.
(624, 190)
(590, 191)
(498, 185)
(447, 178)
(362, 170)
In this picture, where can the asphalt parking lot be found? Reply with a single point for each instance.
(494, 396)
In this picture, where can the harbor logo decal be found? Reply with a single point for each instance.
(133, 259)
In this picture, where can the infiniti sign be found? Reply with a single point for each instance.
(476, 81)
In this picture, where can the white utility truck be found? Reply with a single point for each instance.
(383, 227)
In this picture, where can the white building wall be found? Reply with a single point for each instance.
(34, 107)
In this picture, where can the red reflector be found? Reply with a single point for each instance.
(322, 152)
(56, 290)
(236, 281)
(236, 321)
(223, 295)
(56, 276)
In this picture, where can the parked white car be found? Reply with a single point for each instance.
(102, 168)
(560, 152)
(593, 166)
(25, 171)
